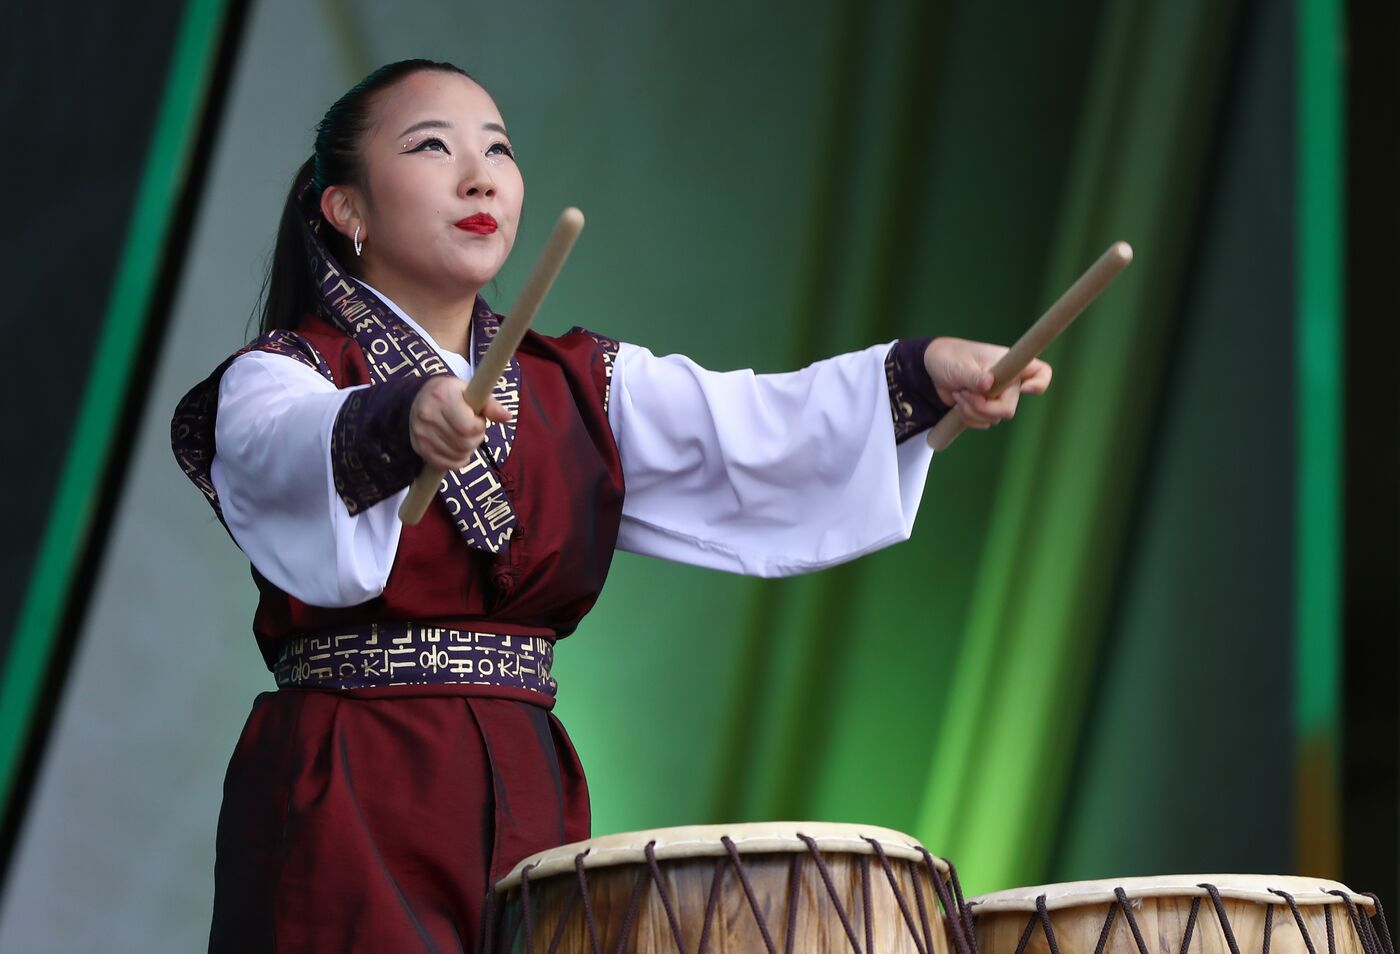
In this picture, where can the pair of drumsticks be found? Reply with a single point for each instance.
(561, 242)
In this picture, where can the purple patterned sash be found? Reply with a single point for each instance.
(373, 655)
(475, 497)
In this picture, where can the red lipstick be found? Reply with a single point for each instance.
(481, 224)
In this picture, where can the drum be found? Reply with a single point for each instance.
(1182, 914)
(779, 887)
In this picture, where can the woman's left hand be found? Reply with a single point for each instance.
(962, 374)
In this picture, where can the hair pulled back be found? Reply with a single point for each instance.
(289, 290)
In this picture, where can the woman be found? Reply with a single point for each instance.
(409, 757)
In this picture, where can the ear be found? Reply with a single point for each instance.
(340, 205)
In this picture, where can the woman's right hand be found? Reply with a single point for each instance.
(443, 428)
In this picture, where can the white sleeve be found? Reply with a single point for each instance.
(272, 471)
(762, 474)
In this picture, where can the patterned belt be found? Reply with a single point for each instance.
(409, 654)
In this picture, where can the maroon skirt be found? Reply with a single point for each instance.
(378, 824)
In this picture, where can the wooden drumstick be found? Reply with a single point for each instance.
(508, 338)
(1040, 334)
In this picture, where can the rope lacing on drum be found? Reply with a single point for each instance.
(661, 890)
(1298, 917)
(588, 918)
(1127, 907)
(749, 892)
(950, 895)
(1106, 929)
(711, 904)
(816, 854)
(633, 902)
(1041, 917)
(1043, 913)
(652, 872)
(558, 938)
(899, 899)
(1191, 927)
(1370, 941)
(1384, 937)
(867, 901)
(923, 909)
(1228, 931)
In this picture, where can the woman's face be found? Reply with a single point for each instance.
(444, 192)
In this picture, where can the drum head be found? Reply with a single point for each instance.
(1260, 889)
(698, 841)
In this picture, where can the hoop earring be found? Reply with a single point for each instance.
(358, 244)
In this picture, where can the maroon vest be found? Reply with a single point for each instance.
(564, 479)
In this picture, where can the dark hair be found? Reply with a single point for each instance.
(288, 292)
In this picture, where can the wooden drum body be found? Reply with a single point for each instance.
(780, 887)
(1182, 914)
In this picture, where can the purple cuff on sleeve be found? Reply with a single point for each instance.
(914, 401)
(372, 457)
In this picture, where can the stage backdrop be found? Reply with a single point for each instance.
(1082, 663)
